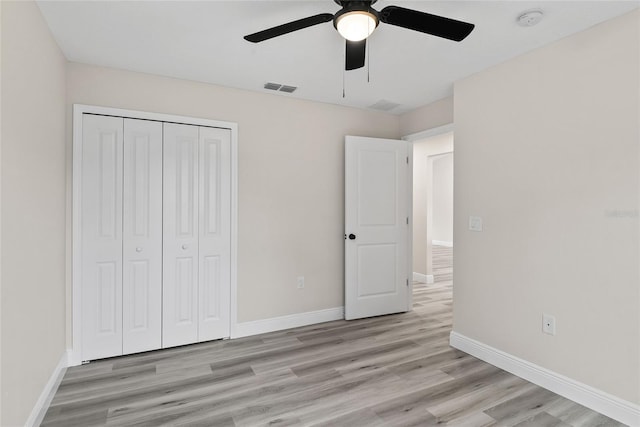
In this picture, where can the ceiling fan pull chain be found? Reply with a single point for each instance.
(368, 64)
(343, 74)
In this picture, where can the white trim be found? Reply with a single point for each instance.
(76, 290)
(233, 299)
(75, 357)
(598, 400)
(442, 243)
(409, 147)
(438, 155)
(423, 278)
(429, 133)
(42, 404)
(257, 327)
(159, 117)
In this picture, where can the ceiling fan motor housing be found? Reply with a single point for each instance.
(346, 2)
(355, 6)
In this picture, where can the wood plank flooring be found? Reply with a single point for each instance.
(395, 370)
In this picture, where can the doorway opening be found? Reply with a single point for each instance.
(433, 206)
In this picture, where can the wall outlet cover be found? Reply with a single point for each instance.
(548, 324)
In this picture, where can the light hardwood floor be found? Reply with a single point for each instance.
(395, 370)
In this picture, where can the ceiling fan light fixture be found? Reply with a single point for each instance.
(356, 25)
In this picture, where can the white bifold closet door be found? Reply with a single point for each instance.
(156, 235)
(196, 237)
(101, 236)
(142, 236)
(121, 236)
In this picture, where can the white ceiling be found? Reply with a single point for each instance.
(203, 41)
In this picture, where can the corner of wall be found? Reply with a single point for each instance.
(435, 114)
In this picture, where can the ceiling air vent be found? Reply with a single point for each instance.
(279, 87)
(272, 86)
(288, 89)
(384, 105)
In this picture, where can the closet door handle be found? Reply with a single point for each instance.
(185, 246)
(138, 249)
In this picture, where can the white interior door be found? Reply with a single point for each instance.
(101, 194)
(214, 233)
(142, 236)
(180, 236)
(377, 228)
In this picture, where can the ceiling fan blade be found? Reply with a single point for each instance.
(355, 54)
(426, 23)
(289, 27)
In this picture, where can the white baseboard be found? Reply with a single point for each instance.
(442, 243)
(40, 408)
(257, 327)
(419, 277)
(423, 278)
(74, 358)
(598, 400)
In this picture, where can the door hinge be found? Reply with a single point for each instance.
(407, 159)
(407, 282)
(407, 220)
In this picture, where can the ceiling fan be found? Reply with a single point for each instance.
(357, 20)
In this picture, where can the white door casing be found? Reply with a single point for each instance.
(377, 205)
(180, 235)
(102, 153)
(214, 233)
(142, 236)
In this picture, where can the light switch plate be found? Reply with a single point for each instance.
(475, 223)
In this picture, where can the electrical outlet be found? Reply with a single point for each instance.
(300, 282)
(475, 223)
(548, 324)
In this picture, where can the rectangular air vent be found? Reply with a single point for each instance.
(384, 105)
(272, 86)
(279, 87)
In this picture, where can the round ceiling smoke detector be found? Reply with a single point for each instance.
(529, 18)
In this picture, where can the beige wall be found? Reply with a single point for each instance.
(443, 198)
(547, 152)
(33, 209)
(423, 152)
(291, 178)
(438, 113)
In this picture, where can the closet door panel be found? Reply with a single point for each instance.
(101, 207)
(214, 233)
(180, 235)
(142, 236)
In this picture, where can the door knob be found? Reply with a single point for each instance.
(138, 249)
(352, 237)
(185, 246)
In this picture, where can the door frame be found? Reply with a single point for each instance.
(413, 138)
(75, 354)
